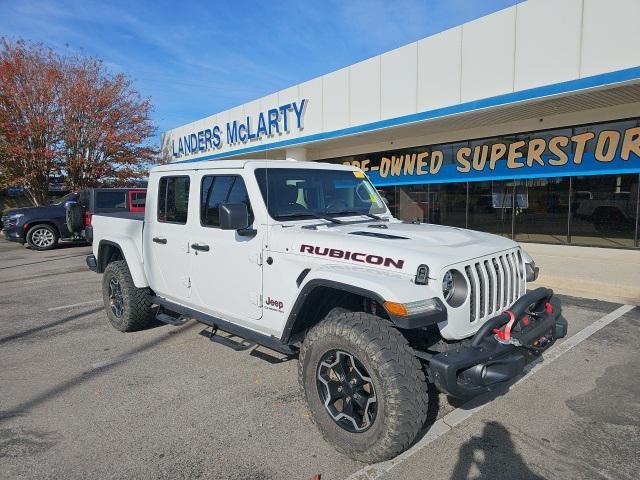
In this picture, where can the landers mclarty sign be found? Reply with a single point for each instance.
(275, 121)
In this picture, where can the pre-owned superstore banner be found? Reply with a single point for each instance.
(600, 149)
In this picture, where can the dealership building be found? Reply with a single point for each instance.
(524, 123)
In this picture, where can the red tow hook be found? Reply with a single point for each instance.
(505, 335)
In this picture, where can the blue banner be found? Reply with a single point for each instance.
(595, 150)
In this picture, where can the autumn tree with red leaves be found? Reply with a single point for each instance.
(30, 117)
(68, 115)
(105, 126)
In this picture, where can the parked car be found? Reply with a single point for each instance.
(42, 227)
(305, 258)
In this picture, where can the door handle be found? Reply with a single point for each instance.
(201, 247)
(160, 240)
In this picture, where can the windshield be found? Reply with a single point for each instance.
(66, 198)
(292, 193)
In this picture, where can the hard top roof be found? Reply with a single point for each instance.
(241, 164)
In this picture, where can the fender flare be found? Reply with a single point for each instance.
(130, 255)
(410, 322)
(309, 287)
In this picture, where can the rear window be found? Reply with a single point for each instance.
(138, 199)
(173, 199)
(111, 200)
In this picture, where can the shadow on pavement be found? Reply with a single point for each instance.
(492, 455)
(31, 331)
(23, 408)
(54, 259)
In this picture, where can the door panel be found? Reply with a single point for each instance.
(166, 238)
(226, 279)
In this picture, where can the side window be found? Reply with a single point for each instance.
(219, 189)
(138, 199)
(173, 199)
(106, 200)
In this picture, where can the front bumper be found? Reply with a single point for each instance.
(482, 363)
(13, 234)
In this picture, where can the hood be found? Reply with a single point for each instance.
(403, 243)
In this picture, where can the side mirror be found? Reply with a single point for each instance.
(233, 216)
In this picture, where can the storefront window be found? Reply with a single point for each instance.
(415, 203)
(448, 204)
(604, 210)
(490, 207)
(542, 212)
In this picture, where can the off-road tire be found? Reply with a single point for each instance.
(136, 302)
(397, 376)
(37, 231)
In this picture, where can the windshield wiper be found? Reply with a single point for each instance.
(366, 214)
(310, 213)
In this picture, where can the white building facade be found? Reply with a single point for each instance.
(524, 123)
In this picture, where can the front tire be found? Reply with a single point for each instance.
(128, 307)
(365, 388)
(42, 237)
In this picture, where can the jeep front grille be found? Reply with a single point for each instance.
(495, 283)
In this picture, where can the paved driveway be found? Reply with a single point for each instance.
(81, 400)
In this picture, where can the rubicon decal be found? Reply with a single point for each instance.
(352, 256)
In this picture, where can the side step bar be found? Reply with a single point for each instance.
(268, 341)
(171, 320)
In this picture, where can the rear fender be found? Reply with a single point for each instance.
(129, 252)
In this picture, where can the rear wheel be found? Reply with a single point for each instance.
(364, 386)
(128, 307)
(42, 237)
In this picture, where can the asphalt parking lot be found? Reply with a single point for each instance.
(80, 400)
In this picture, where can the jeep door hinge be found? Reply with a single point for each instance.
(256, 258)
(256, 299)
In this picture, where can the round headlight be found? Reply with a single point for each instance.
(448, 285)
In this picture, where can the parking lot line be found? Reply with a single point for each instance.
(74, 305)
(460, 414)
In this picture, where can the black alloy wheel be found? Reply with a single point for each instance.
(347, 391)
(116, 301)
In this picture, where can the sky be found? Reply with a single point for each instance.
(197, 58)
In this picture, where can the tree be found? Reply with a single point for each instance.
(30, 127)
(105, 126)
(68, 115)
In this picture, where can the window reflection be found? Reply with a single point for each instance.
(543, 215)
(604, 210)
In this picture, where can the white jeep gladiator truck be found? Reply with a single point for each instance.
(306, 259)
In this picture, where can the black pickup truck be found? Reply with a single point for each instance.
(42, 227)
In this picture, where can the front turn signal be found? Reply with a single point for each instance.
(398, 309)
(426, 306)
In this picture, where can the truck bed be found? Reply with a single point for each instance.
(121, 228)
